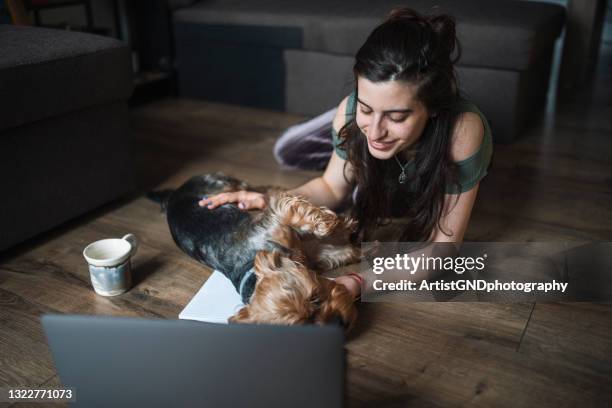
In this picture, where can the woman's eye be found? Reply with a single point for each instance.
(365, 111)
(398, 120)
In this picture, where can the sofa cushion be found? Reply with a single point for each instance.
(505, 34)
(46, 72)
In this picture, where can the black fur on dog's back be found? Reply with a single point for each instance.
(225, 238)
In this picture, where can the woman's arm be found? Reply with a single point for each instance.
(329, 190)
(467, 138)
(456, 216)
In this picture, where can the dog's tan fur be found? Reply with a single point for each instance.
(288, 289)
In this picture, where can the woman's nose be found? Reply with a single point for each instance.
(377, 129)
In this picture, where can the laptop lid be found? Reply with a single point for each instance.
(136, 362)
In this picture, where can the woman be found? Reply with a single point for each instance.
(405, 142)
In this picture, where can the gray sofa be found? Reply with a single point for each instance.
(64, 141)
(297, 56)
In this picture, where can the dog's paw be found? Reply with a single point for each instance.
(324, 223)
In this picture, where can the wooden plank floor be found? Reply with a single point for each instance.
(553, 184)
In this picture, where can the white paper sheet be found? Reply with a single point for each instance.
(216, 301)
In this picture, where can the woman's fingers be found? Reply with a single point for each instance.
(246, 200)
(219, 199)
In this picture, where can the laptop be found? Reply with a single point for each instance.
(136, 362)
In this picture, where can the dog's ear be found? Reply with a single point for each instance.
(266, 261)
(242, 316)
(339, 305)
(276, 261)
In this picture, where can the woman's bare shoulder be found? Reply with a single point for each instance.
(467, 136)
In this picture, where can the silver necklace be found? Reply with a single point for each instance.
(402, 177)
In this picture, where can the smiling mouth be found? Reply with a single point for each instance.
(381, 145)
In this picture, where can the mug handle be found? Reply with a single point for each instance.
(131, 238)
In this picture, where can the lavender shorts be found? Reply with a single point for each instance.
(307, 145)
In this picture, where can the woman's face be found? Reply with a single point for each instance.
(390, 116)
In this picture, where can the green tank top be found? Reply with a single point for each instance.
(470, 170)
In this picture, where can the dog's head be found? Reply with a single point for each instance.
(289, 293)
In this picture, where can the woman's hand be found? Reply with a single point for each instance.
(247, 200)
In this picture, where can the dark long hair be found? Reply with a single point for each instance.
(420, 50)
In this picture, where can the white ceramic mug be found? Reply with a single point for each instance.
(110, 266)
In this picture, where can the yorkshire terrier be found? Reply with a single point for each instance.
(271, 256)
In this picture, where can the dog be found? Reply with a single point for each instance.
(271, 256)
